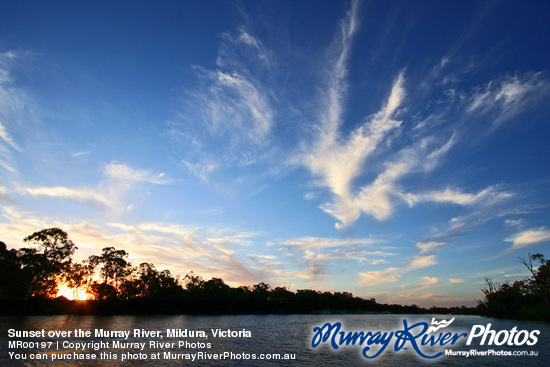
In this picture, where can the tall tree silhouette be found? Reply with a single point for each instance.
(40, 266)
(114, 268)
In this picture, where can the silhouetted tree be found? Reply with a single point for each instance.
(79, 276)
(11, 285)
(526, 298)
(541, 275)
(151, 282)
(103, 291)
(114, 267)
(281, 299)
(40, 267)
(193, 281)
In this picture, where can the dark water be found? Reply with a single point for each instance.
(288, 336)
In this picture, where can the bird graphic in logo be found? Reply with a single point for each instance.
(436, 325)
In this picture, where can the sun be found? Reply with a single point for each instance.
(73, 294)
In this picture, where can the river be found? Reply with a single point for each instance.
(267, 340)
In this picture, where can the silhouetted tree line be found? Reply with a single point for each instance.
(30, 277)
(523, 299)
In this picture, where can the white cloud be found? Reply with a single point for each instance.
(377, 277)
(7, 166)
(432, 159)
(430, 280)
(4, 135)
(201, 170)
(318, 254)
(431, 246)
(390, 275)
(317, 242)
(311, 195)
(308, 276)
(509, 96)
(13, 108)
(378, 199)
(318, 262)
(241, 104)
(529, 237)
(336, 77)
(83, 196)
(127, 173)
(264, 54)
(454, 280)
(108, 195)
(340, 162)
(489, 194)
(513, 222)
(420, 261)
(486, 210)
(228, 119)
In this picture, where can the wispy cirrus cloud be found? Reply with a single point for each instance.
(109, 195)
(508, 96)
(264, 54)
(124, 172)
(90, 197)
(318, 242)
(12, 107)
(485, 206)
(243, 45)
(339, 160)
(238, 106)
(488, 195)
(6, 137)
(228, 119)
(529, 237)
(201, 170)
(430, 246)
(380, 197)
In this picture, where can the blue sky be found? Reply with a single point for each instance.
(394, 150)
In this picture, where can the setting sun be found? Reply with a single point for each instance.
(73, 294)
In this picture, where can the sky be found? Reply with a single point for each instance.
(395, 150)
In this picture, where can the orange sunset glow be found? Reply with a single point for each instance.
(73, 293)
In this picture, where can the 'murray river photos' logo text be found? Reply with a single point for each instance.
(419, 337)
